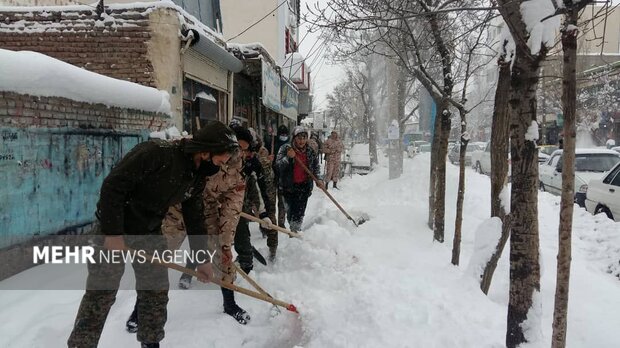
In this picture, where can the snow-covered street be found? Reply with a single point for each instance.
(384, 283)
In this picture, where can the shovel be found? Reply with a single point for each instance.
(269, 226)
(254, 284)
(356, 223)
(230, 286)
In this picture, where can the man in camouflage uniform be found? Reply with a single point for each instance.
(223, 197)
(135, 197)
(254, 203)
(270, 180)
(333, 149)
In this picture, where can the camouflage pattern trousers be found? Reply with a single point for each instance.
(332, 169)
(102, 285)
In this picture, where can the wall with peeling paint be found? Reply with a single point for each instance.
(54, 154)
(51, 178)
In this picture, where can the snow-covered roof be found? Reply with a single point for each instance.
(252, 50)
(185, 18)
(36, 74)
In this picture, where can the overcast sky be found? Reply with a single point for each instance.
(324, 76)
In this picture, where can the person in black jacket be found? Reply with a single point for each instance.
(274, 144)
(135, 197)
(294, 183)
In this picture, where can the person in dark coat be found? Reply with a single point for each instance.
(282, 139)
(135, 197)
(294, 183)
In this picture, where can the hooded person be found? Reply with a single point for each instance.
(134, 199)
(333, 148)
(293, 181)
(274, 147)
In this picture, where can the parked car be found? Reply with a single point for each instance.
(477, 145)
(359, 158)
(424, 148)
(545, 151)
(616, 148)
(590, 164)
(414, 147)
(454, 154)
(481, 160)
(603, 195)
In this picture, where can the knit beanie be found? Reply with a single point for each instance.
(299, 130)
(214, 138)
(283, 130)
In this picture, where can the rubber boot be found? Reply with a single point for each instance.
(231, 308)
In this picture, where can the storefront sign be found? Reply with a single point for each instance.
(271, 87)
(290, 99)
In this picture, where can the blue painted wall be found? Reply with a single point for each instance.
(50, 178)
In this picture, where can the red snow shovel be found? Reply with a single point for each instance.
(289, 306)
(356, 223)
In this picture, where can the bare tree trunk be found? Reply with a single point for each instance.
(433, 169)
(370, 111)
(500, 132)
(440, 164)
(456, 243)
(569, 96)
(524, 241)
(402, 98)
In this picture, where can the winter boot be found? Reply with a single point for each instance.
(336, 187)
(132, 323)
(185, 282)
(149, 345)
(231, 308)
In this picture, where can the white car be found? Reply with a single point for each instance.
(359, 158)
(603, 195)
(590, 164)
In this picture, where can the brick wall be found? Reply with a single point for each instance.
(18, 110)
(115, 45)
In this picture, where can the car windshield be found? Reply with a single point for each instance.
(595, 162)
(548, 150)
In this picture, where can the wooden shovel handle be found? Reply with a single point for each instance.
(230, 286)
(301, 163)
(269, 226)
(251, 281)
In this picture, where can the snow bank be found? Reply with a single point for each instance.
(485, 242)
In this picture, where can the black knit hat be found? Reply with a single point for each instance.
(282, 130)
(214, 138)
(242, 133)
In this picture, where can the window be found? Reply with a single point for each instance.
(595, 162)
(202, 104)
(554, 160)
(616, 181)
(614, 177)
(207, 11)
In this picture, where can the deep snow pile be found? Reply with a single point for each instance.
(382, 284)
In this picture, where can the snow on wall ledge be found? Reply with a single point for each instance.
(36, 74)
